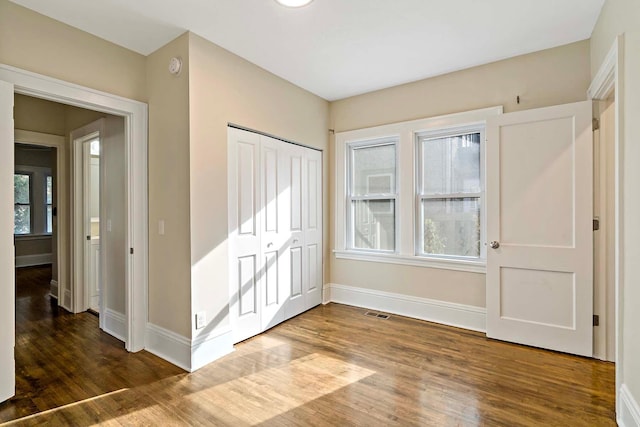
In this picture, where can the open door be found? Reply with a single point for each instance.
(539, 211)
(7, 268)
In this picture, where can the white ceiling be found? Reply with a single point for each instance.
(340, 48)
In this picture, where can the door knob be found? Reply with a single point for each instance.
(494, 245)
(269, 244)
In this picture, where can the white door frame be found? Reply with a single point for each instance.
(609, 81)
(135, 114)
(78, 218)
(57, 142)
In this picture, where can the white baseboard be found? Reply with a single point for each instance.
(32, 260)
(167, 345)
(115, 324)
(54, 289)
(66, 300)
(629, 414)
(326, 294)
(209, 347)
(187, 354)
(446, 313)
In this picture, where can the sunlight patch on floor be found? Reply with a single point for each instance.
(258, 397)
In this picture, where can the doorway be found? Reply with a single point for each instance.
(133, 116)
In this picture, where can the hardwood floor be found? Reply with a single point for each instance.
(330, 366)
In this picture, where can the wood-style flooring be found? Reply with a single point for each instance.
(330, 366)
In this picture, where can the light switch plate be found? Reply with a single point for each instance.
(201, 319)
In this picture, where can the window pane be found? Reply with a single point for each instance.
(22, 219)
(21, 188)
(374, 224)
(374, 170)
(49, 219)
(451, 164)
(451, 227)
(95, 147)
(49, 190)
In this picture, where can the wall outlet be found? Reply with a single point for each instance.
(201, 320)
(161, 227)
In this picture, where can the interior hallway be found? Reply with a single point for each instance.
(330, 366)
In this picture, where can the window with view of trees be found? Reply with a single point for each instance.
(372, 195)
(22, 203)
(450, 193)
(413, 193)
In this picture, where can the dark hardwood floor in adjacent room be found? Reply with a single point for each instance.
(329, 366)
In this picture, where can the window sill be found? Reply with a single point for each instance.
(415, 261)
(43, 236)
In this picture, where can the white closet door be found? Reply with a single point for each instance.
(273, 239)
(275, 231)
(245, 255)
(312, 199)
(296, 298)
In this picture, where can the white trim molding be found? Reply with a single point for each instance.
(187, 354)
(167, 345)
(33, 260)
(210, 347)
(446, 313)
(604, 81)
(629, 415)
(416, 261)
(115, 324)
(135, 114)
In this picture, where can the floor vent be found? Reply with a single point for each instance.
(378, 315)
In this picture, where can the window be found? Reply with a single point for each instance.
(449, 194)
(412, 193)
(49, 213)
(372, 196)
(22, 203)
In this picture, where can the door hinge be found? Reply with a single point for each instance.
(131, 251)
(595, 124)
(596, 224)
(596, 320)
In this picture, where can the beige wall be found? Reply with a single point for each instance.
(36, 43)
(550, 77)
(618, 17)
(225, 88)
(169, 255)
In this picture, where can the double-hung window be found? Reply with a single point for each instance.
(22, 203)
(372, 194)
(413, 192)
(449, 193)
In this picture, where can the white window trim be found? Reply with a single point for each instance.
(406, 184)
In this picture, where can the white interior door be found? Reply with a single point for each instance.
(7, 271)
(245, 220)
(295, 231)
(275, 187)
(92, 222)
(312, 201)
(539, 219)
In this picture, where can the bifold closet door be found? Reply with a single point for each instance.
(275, 231)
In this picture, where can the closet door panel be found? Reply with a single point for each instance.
(313, 228)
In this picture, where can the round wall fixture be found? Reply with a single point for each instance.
(294, 3)
(175, 65)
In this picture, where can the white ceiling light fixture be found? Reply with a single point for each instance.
(294, 3)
